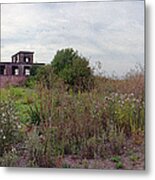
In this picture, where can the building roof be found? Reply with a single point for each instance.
(25, 52)
(11, 63)
(5, 62)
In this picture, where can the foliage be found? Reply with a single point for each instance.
(34, 114)
(95, 124)
(21, 98)
(119, 165)
(48, 78)
(63, 58)
(116, 159)
(34, 70)
(85, 122)
(39, 148)
(73, 69)
(9, 126)
(31, 80)
(9, 158)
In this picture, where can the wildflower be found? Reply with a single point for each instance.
(116, 94)
(106, 98)
(19, 126)
(133, 106)
(13, 149)
(132, 94)
(137, 100)
(121, 96)
(4, 137)
(127, 99)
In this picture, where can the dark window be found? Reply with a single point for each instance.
(2, 70)
(15, 70)
(26, 59)
(26, 71)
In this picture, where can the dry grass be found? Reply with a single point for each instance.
(88, 125)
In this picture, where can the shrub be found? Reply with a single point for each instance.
(48, 79)
(73, 69)
(34, 70)
(30, 82)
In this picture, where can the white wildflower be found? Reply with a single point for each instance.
(137, 100)
(19, 126)
(13, 149)
(116, 94)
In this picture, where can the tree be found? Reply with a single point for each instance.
(73, 69)
(63, 59)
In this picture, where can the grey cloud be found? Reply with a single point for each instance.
(112, 32)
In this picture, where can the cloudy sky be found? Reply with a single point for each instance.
(109, 32)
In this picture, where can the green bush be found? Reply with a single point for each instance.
(30, 82)
(73, 69)
(47, 78)
(34, 70)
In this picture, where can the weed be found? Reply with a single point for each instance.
(115, 159)
(57, 122)
(9, 126)
(134, 157)
(119, 165)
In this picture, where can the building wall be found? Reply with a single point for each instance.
(21, 68)
(11, 80)
(16, 72)
(21, 57)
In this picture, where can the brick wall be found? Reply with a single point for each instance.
(11, 80)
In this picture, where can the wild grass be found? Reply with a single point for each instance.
(91, 125)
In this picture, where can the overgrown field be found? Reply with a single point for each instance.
(54, 127)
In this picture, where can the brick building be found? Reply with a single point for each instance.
(16, 71)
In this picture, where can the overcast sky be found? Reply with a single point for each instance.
(109, 32)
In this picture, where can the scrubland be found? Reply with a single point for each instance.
(56, 127)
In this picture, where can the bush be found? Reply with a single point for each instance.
(34, 70)
(47, 78)
(30, 82)
(32, 79)
(73, 69)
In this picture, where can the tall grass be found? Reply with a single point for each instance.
(90, 125)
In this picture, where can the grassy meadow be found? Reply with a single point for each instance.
(57, 127)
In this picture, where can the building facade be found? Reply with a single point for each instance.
(18, 69)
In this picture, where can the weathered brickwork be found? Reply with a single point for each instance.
(11, 80)
(16, 72)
